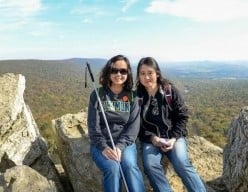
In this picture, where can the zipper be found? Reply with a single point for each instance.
(164, 121)
(144, 116)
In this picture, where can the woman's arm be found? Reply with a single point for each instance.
(93, 121)
(179, 115)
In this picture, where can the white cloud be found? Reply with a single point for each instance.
(128, 4)
(87, 20)
(21, 8)
(201, 10)
(88, 10)
(127, 19)
(12, 26)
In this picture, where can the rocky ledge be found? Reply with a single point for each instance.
(25, 164)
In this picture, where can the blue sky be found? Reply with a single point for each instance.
(169, 30)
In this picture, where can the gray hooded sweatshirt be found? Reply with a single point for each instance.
(122, 112)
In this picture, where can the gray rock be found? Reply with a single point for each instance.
(20, 140)
(235, 157)
(23, 178)
(73, 148)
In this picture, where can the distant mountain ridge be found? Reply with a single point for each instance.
(93, 61)
(187, 69)
(50, 68)
(207, 69)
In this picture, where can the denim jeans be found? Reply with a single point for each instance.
(112, 178)
(179, 158)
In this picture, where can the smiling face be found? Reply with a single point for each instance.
(119, 73)
(148, 76)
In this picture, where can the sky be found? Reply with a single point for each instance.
(168, 30)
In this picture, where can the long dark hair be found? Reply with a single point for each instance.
(151, 62)
(104, 78)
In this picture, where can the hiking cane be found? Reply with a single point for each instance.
(104, 117)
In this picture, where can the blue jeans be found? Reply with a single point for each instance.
(179, 158)
(112, 178)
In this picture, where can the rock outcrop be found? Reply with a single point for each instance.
(23, 178)
(73, 148)
(235, 173)
(25, 164)
(20, 140)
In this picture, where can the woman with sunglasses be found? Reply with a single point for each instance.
(121, 109)
(163, 129)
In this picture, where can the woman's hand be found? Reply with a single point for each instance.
(168, 144)
(157, 141)
(114, 154)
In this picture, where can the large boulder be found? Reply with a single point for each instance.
(24, 178)
(20, 140)
(235, 173)
(73, 147)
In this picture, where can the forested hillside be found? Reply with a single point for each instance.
(54, 88)
(213, 104)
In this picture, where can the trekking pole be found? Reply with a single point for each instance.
(105, 120)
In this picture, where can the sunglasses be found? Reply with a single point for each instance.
(116, 71)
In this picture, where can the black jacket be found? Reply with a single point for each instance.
(171, 123)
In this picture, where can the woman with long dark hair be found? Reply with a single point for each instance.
(163, 128)
(122, 111)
